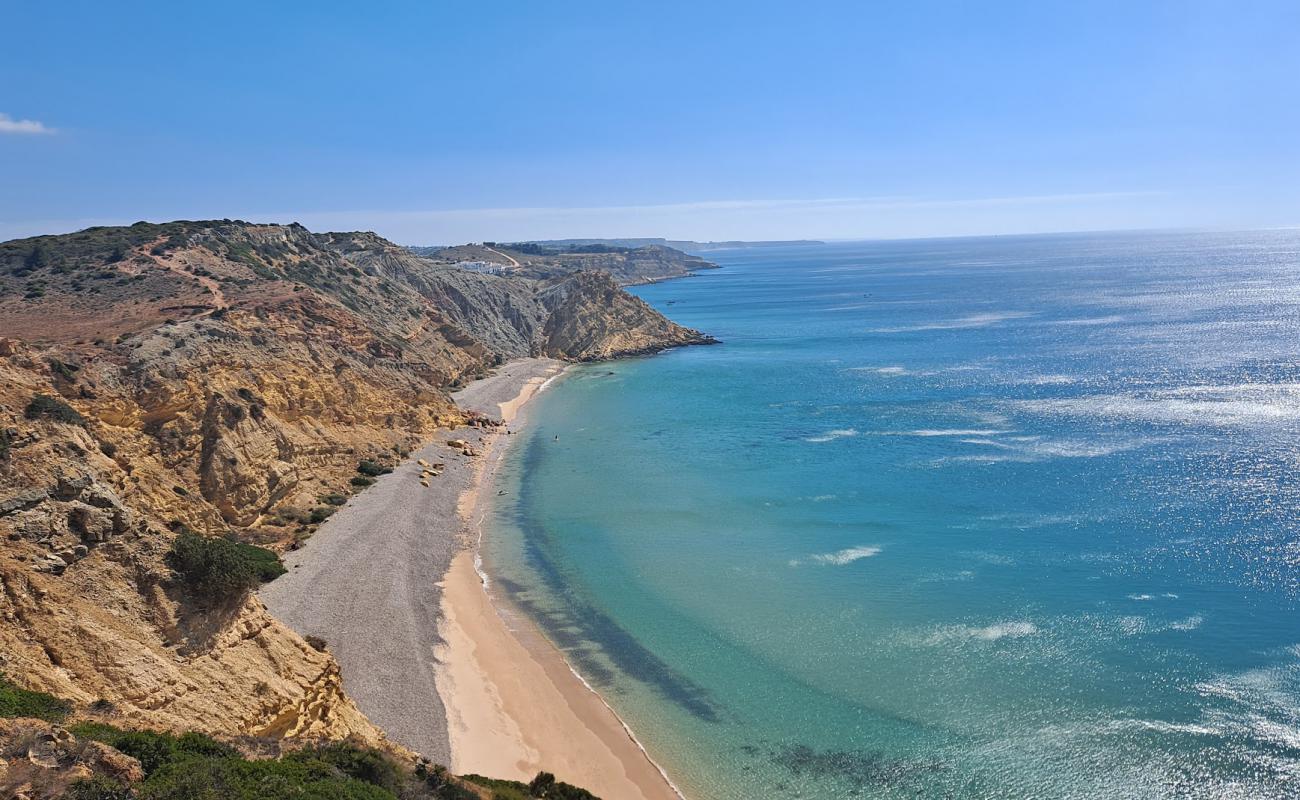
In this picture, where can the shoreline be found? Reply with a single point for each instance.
(367, 581)
(514, 704)
(394, 583)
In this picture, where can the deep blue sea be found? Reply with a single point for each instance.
(974, 518)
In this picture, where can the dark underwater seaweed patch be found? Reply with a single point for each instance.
(859, 768)
(579, 623)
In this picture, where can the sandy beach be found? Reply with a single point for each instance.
(427, 653)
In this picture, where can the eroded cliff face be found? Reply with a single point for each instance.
(90, 611)
(592, 319)
(227, 378)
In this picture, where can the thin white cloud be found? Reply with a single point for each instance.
(22, 126)
(825, 218)
(838, 203)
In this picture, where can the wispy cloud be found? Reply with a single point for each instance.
(839, 203)
(762, 218)
(23, 126)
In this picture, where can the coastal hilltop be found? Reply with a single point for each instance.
(182, 402)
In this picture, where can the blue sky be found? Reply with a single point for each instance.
(435, 122)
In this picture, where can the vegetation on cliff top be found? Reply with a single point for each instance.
(45, 406)
(16, 701)
(194, 766)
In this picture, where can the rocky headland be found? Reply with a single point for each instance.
(239, 381)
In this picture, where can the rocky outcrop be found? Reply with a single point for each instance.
(592, 319)
(577, 314)
(228, 378)
(40, 761)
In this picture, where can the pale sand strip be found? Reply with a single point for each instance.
(514, 706)
(490, 696)
(367, 580)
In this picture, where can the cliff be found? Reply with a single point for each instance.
(228, 378)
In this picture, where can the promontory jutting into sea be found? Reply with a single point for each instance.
(650, 401)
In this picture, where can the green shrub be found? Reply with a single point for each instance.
(335, 499)
(221, 570)
(362, 481)
(544, 785)
(372, 470)
(267, 562)
(321, 513)
(63, 369)
(238, 779)
(42, 405)
(18, 702)
(98, 788)
(193, 766)
(36, 259)
(361, 763)
(151, 749)
(439, 779)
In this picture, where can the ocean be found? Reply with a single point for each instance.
(963, 518)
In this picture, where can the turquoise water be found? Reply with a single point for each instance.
(1001, 517)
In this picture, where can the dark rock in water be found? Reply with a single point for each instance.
(859, 768)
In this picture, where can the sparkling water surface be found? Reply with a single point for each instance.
(970, 518)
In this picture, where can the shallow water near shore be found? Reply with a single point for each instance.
(954, 518)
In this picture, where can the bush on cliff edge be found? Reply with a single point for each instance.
(219, 570)
(16, 701)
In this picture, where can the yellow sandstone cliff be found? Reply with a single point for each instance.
(227, 378)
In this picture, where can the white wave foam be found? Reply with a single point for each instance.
(962, 575)
(839, 558)
(1266, 701)
(1035, 520)
(953, 432)
(1160, 726)
(1003, 630)
(951, 634)
(996, 559)
(970, 321)
(1141, 626)
(841, 433)
(1047, 380)
(1087, 321)
(1028, 449)
(1140, 597)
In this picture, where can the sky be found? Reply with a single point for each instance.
(442, 122)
